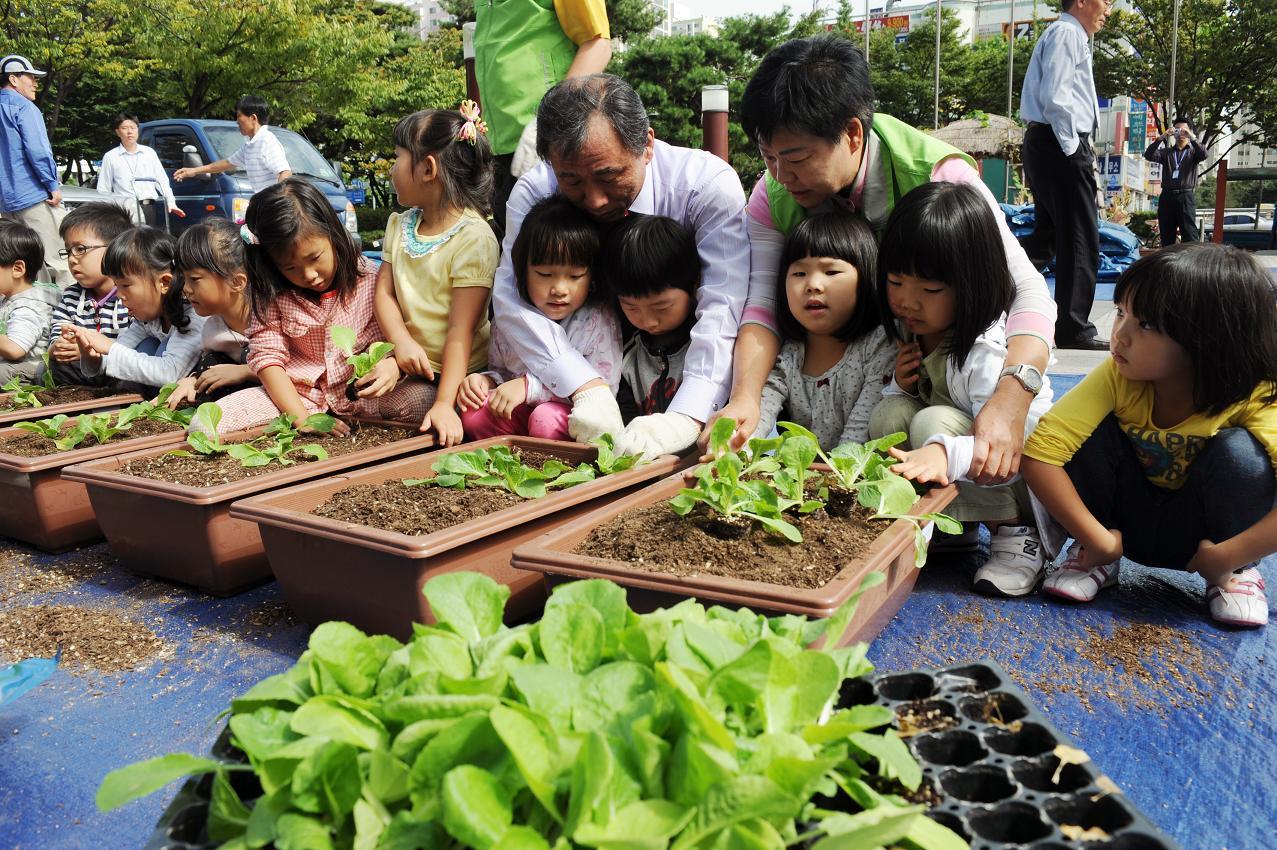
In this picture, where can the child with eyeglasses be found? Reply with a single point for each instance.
(91, 301)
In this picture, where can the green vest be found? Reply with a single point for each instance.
(910, 156)
(520, 53)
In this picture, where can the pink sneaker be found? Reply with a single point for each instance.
(1240, 601)
(1077, 583)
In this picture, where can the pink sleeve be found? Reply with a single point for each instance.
(267, 343)
(759, 208)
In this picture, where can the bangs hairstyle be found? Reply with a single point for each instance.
(1218, 304)
(99, 219)
(19, 242)
(214, 245)
(648, 254)
(148, 252)
(282, 214)
(847, 238)
(465, 170)
(554, 232)
(947, 232)
(809, 85)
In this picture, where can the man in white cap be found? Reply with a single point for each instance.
(29, 188)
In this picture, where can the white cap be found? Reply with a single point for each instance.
(15, 64)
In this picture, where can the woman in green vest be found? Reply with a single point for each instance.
(809, 108)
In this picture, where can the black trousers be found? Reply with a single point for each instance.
(1177, 215)
(502, 186)
(1066, 226)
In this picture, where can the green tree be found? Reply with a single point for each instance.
(904, 74)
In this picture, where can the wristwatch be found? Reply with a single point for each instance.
(1030, 377)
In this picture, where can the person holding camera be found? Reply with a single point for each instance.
(1178, 152)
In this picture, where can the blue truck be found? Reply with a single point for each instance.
(189, 142)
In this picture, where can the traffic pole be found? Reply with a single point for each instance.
(467, 53)
(714, 120)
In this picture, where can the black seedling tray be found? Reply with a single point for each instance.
(184, 824)
(989, 757)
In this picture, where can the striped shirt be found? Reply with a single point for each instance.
(262, 156)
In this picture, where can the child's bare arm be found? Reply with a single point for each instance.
(410, 356)
(469, 305)
(1055, 490)
(10, 350)
(1215, 561)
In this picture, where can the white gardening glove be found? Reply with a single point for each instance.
(594, 413)
(658, 434)
(525, 153)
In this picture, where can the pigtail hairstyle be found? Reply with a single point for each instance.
(1218, 304)
(554, 232)
(465, 164)
(645, 254)
(213, 244)
(846, 238)
(946, 232)
(147, 252)
(277, 217)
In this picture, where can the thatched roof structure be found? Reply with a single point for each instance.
(984, 138)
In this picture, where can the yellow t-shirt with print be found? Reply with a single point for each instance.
(1165, 453)
(428, 266)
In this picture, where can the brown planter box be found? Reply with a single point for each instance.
(71, 408)
(38, 507)
(892, 554)
(186, 534)
(373, 578)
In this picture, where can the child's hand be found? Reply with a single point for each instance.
(508, 396)
(1104, 551)
(445, 422)
(1208, 563)
(64, 349)
(413, 360)
(92, 342)
(183, 394)
(908, 362)
(380, 380)
(473, 391)
(929, 464)
(222, 375)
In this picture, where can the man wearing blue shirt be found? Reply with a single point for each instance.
(1059, 104)
(29, 188)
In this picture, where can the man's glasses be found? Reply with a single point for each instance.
(78, 251)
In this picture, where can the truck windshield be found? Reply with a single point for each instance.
(302, 156)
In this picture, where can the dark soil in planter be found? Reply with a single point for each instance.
(211, 470)
(60, 395)
(29, 444)
(656, 539)
(392, 506)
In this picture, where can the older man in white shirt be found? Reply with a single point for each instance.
(1058, 102)
(135, 170)
(599, 152)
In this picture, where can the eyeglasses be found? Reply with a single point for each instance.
(78, 251)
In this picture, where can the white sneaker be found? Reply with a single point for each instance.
(1015, 564)
(1241, 601)
(1077, 583)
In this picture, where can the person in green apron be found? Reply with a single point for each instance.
(522, 49)
(809, 107)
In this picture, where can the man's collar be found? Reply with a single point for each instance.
(645, 201)
(1066, 18)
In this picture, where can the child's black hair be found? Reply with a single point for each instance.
(465, 168)
(214, 245)
(145, 252)
(554, 232)
(19, 242)
(847, 238)
(255, 106)
(946, 232)
(1218, 304)
(277, 217)
(101, 218)
(647, 254)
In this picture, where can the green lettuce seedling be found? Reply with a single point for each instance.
(50, 428)
(608, 462)
(276, 444)
(498, 467)
(26, 395)
(344, 340)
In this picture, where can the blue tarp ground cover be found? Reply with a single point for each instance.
(1119, 247)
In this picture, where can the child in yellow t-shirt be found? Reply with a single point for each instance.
(1166, 452)
(440, 256)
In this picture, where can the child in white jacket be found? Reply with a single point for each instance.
(944, 289)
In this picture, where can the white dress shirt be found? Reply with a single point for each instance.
(131, 174)
(1059, 87)
(700, 192)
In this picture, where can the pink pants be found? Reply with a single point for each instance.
(407, 402)
(548, 420)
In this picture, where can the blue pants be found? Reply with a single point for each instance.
(1227, 489)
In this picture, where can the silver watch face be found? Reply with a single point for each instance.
(1031, 378)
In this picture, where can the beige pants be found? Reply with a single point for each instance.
(45, 220)
(1001, 504)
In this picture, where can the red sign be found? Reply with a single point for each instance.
(895, 22)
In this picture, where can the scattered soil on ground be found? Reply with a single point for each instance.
(392, 506)
(655, 539)
(29, 444)
(211, 470)
(59, 395)
(94, 638)
(20, 577)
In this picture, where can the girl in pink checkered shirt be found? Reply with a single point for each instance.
(306, 276)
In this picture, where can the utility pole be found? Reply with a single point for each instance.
(936, 122)
(1006, 172)
(866, 32)
(1170, 106)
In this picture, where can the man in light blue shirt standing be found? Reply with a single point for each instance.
(29, 187)
(1059, 104)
